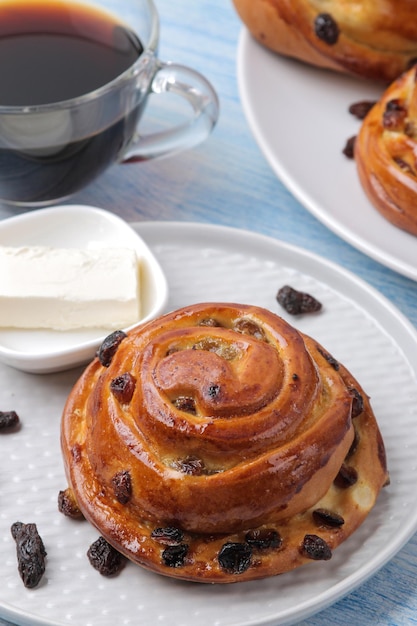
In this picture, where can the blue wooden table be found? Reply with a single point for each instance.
(227, 181)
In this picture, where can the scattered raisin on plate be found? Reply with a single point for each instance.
(297, 302)
(67, 504)
(30, 552)
(361, 109)
(9, 420)
(349, 149)
(104, 558)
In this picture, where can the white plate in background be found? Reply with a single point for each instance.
(206, 263)
(299, 117)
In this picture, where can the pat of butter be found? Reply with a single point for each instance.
(68, 288)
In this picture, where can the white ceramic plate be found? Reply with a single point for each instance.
(77, 226)
(204, 263)
(300, 120)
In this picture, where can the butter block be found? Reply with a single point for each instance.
(68, 288)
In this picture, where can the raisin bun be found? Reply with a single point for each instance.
(219, 444)
(386, 153)
(372, 39)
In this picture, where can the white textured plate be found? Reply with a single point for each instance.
(204, 263)
(74, 226)
(300, 120)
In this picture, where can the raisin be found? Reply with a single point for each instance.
(67, 504)
(76, 452)
(223, 349)
(297, 302)
(315, 548)
(362, 108)
(248, 327)
(109, 347)
(394, 115)
(357, 403)
(209, 321)
(235, 557)
(191, 465)
(122, 486)
(9, 420)
(186, 404)
(331, 360)
(174, 556)
(104, 558)
(169, 536)
(404, 166)
(349, 149)
(396, 104)
(31, 553)
(324, 517)
(346, 477)
(213, 391)
(123, 387)
(326, 28)
(263, 538)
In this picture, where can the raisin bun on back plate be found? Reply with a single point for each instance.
(386, 153)
(375, 39)
(219, 444)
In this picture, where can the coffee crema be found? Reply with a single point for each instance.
(52, 52)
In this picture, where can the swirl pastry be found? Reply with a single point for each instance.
(217, 443)
(386, 153)
(372, 39)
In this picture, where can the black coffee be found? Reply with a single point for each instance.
(49, 53)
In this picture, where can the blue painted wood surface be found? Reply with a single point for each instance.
(227, 181)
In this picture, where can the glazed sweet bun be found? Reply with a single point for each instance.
(386, 153)
(219, 444)
(372, 39)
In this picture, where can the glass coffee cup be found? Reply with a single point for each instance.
(74, 81)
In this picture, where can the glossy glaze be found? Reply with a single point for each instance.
(196, 188)
(235, 421)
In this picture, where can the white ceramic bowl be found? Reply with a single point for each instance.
(66, 226)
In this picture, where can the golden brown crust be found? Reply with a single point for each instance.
(376, 40)
(386, 153)
(235, 423)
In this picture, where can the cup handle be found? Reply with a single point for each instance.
(193, 87)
